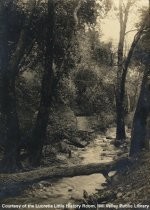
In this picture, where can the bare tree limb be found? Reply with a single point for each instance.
(75, 14)
(131, 31)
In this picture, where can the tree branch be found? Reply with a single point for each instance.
(130, 53)
(134, 43)
(67, 52)
(75, 14)
(21, 45)
(131, 31)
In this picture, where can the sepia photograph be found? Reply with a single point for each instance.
(75, 104)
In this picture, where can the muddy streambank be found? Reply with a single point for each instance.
(65, 190)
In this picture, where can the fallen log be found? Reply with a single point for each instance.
(63, 171)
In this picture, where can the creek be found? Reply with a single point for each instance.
(65, 190)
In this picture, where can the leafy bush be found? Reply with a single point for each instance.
(94, 94)
(62, 124)
(66, 93)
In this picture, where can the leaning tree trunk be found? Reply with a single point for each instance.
(39, 131)
(123, 66)
(40, 174)
(139, 128)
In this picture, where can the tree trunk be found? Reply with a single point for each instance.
(120, 93)
(8, 100)
(39, 131)
(64, 171)
(120, 131)
(122, 72)
(11, 153)
(139, 127)
(9, 69)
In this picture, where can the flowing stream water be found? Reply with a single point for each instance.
(64, 190)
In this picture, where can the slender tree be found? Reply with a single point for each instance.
(39, 131)
(50, 79)
(123, 64)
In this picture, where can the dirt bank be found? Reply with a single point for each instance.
(128, 190)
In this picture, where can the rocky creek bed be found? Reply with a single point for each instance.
(64, 190)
